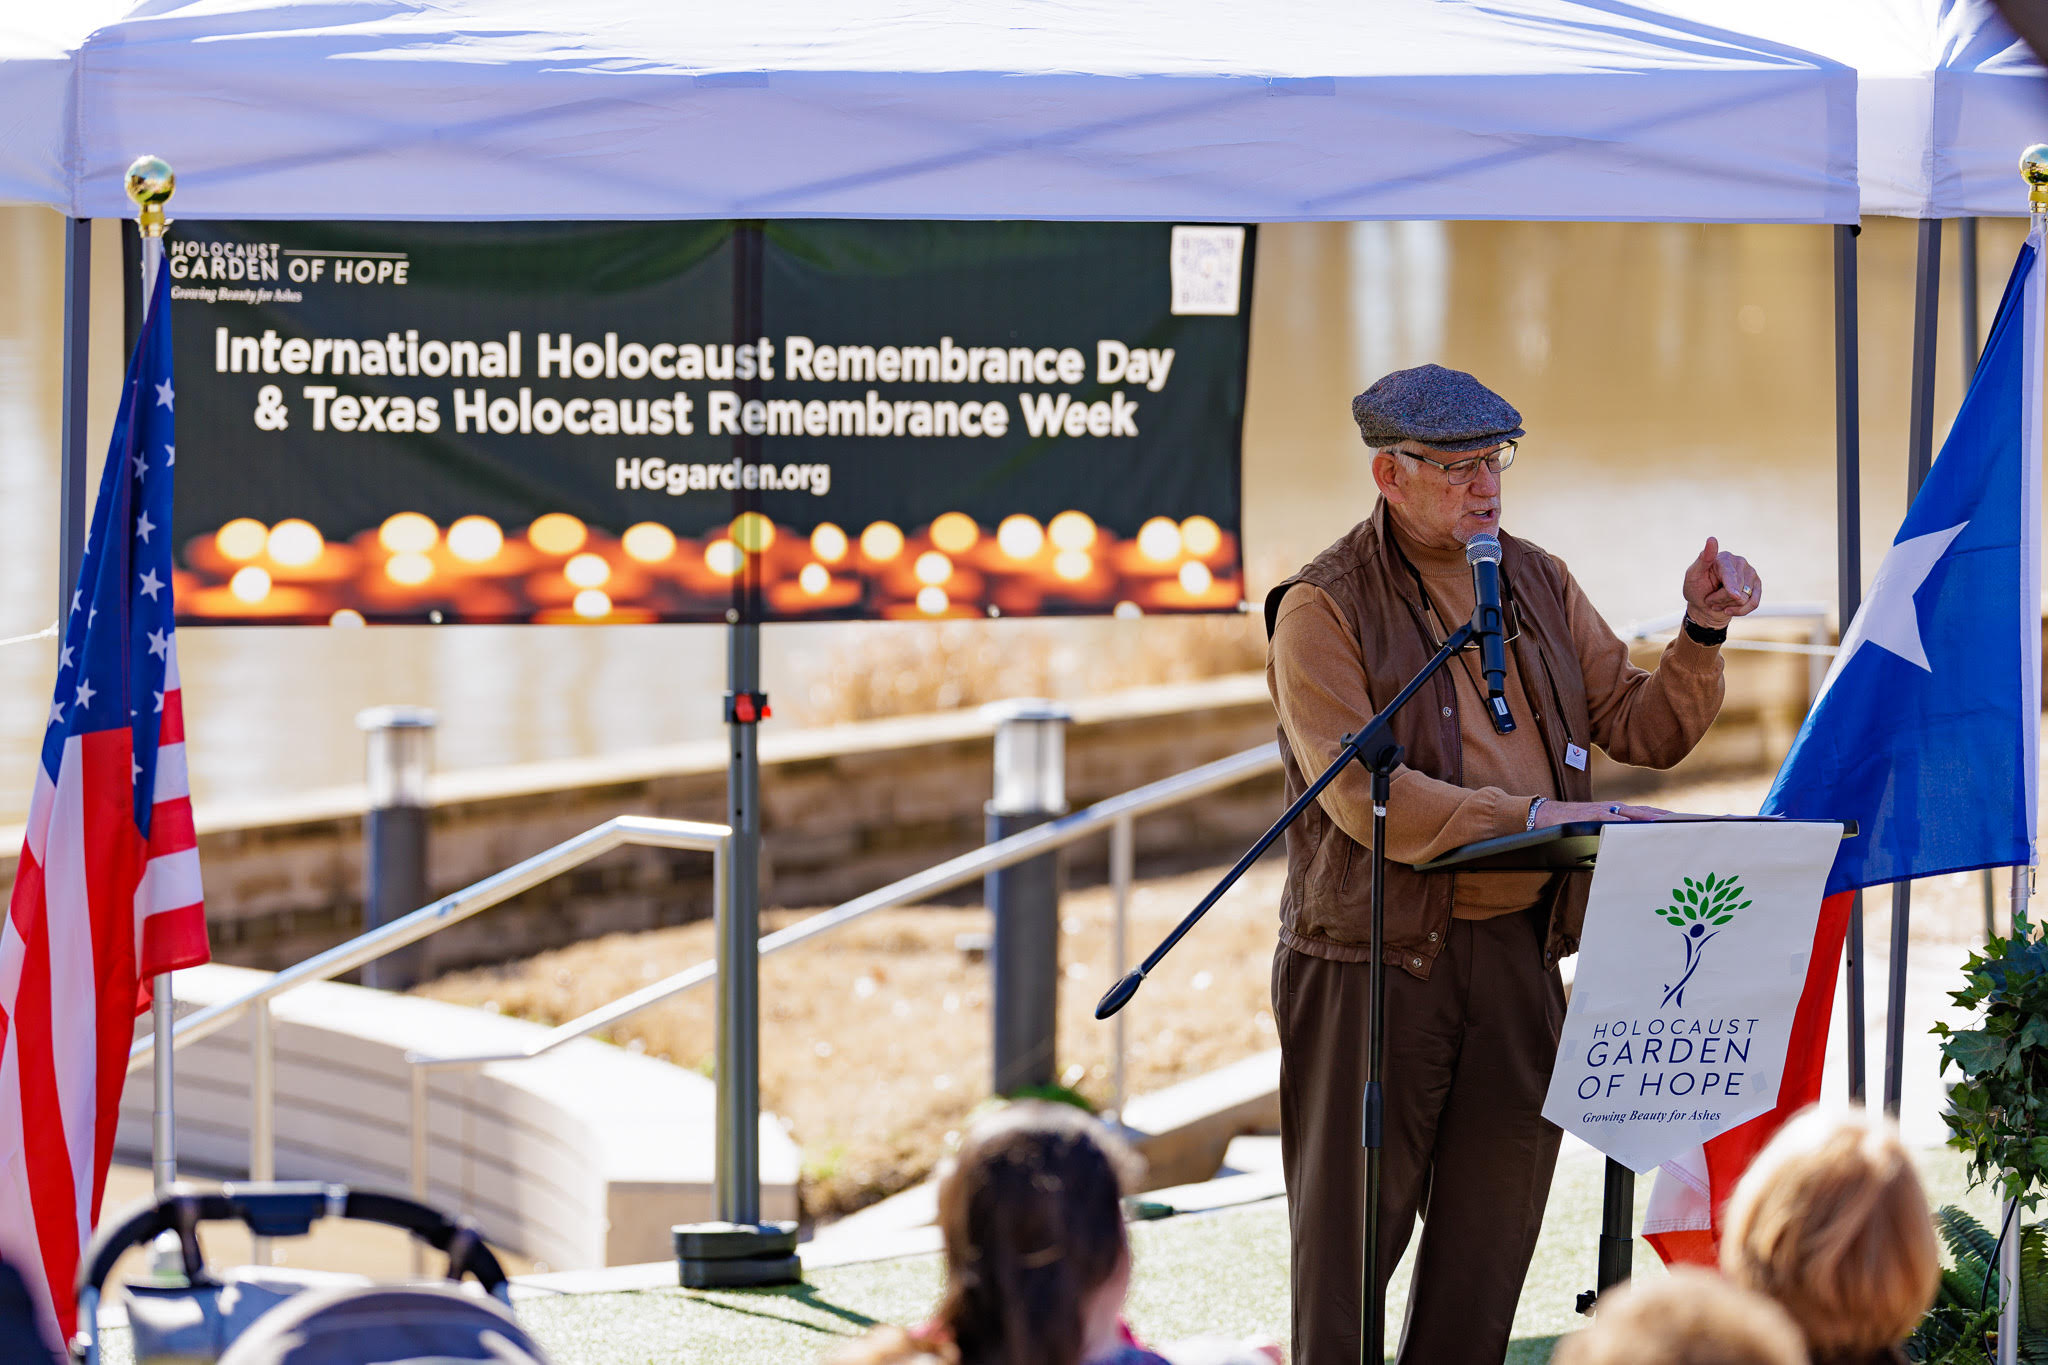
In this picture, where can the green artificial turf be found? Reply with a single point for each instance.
(1223, 1272)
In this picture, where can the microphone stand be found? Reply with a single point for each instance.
(1374, 747)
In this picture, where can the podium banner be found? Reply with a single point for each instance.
(1694, 955)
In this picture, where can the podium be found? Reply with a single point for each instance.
(1574, 847)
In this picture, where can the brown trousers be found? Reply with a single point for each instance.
(1468, 1060)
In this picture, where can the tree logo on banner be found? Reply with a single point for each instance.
(1698, 909)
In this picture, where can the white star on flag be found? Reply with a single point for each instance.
(141, 466)
(56, 713)
(164, 396)
(77, 598)
(64, 662)
(143, 526)
(85, 694)
(1889, 620)
(160, 643)
(170, 456)
(159, 703)
(150, 584)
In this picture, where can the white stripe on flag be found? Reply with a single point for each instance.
(39, 802)
(171, 683)
(74, 992)
(171, 780)
(169, 882)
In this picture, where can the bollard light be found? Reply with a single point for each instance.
(401, 754)
(1024, 898)
(1030, 756)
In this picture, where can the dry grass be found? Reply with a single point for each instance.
(875, 1041)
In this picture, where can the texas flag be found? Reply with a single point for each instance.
(106, 894)
(1925, 731)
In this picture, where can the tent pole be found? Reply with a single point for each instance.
(1966, 261)
(1919, 456)
(1849, 574)
(738, 1249)
(71, 454)
(1966, 299)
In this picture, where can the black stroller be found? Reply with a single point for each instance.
(257, 1316)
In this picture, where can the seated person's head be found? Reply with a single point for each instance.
(1689, 1317)
(1036, 1261)
(1831, 1221)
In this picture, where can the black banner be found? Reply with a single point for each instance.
(667, 421)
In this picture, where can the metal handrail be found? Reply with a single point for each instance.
(1816, 648)
(618, 832)
(1115, 814)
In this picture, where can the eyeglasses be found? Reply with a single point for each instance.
(1462, 472)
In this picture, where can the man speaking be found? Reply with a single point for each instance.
(1473, 998)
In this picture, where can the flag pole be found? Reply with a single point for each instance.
(1849, 580)
(1920, 457)
(150, 184)
(2034, 171)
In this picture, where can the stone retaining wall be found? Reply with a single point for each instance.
(844, 810)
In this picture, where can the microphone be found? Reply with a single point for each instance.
(1482, 552)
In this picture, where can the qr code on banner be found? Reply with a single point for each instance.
(1208, 264)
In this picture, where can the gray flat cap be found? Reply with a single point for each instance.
(1447, 409)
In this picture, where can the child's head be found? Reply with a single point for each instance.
(1831, 1221)
(1689, 1317)
(1031, 1209)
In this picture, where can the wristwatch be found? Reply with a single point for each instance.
(1534, 802)
(1704, 635)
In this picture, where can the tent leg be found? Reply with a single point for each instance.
(1920, 456)
(1849, 576)
(1966, 262)
(77, 357)
(739, 1250)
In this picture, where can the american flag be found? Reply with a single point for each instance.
(107, 893)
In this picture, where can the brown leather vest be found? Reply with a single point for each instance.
(1326, 908)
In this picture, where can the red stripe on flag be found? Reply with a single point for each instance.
(53, 1197)
(170, 827)
(114, 857)
(173, 731)
(1729, 1155)
(173, 940)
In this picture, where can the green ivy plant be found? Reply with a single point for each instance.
(1998, 1108)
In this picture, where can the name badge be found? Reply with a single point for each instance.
(1574, 757)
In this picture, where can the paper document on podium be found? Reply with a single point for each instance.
(1693, 958)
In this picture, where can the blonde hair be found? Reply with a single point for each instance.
(1830, 1221)
(1689, 1317)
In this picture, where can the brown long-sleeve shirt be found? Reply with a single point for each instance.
(1317, 677)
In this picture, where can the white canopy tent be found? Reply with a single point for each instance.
(1784, 111)
(1112, 109)
(1946, 95)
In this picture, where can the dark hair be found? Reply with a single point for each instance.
(1031, 1210)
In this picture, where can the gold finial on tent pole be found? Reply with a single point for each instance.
(151, 182)
(2034, 170)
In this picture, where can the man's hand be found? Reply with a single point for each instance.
(1568, 812)
(1720, 587)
